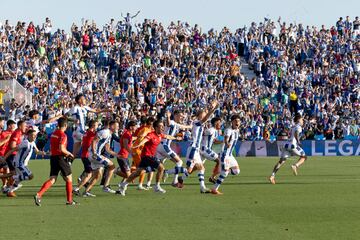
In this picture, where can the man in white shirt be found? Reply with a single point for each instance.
(79, 112)
(101, 143)
(34, 122)
(47, 28)
(164, 150)
(227, 160)
(21, 159)
(292, 147)
(193, 157)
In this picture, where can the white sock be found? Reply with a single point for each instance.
(148, 183)
(157, 184)
(201, 179)
(176, 177)
(124, 184)
(220, 179)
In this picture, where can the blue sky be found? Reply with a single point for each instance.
(207, 13)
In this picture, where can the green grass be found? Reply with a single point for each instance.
(321, 203)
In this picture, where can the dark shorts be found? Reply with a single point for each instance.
(10, 162)
(87, 165)
(149, 163)
(59, 164)
(124, 164)
(3, 164)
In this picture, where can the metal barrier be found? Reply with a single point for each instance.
(16, 91)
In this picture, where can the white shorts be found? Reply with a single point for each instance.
(23, 171)
(290, 149)
(228, 162)
(164, 152)
(192, 157)
(356, 32)
(209, 154)
(77, 135)
(98, 161)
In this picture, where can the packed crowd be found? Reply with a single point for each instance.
(148, 68)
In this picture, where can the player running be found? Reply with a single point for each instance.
(164, 150)
(22, 157)
(59, 162)
(99, 161)
(210, 137)
(126, 140)
(2, 169)
(228, 162)
(136, 152)
(193, 158)
(4, 142)
(15, 140)
(149, 162)
(86, 144)
(293, 147)
(79, 112)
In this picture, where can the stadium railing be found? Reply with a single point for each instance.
(15, 91)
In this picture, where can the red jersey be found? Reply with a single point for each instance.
(86, 40)
(3, 135)
(150, 146)
(123, 152)
(86, 143)
(57, 138)
(16, 136)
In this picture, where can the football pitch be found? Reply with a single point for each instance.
(322, 202)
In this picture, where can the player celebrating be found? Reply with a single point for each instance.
(193, 158)
(2, 169)
(291, 148)
(210, 137)
(34, 121)
(22, 157)
(149, 161)
(80, 111)
(164, 150)
(99, 161)
(227, 160)
(86, 143)
(125, 148)
(136, 152)
(59, 162)
(4, 142)
(15, 140)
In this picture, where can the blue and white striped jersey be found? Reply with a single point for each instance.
(104, 137)
(23, 156)
(197, 134)
(80, 113)
(210, 135)
(296, 129)
(233, 136)
(171, 130)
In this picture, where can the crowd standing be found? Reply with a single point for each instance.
(148, 68)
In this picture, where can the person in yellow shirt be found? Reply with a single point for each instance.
(293, 96)
(140, 134)
(116, 93)
(293, 102)
(2, 92)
